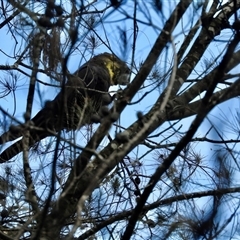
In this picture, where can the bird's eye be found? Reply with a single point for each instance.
(123, 79)
(127, 71)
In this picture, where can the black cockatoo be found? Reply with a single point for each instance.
(83, 96)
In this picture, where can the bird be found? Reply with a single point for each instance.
(82, 97)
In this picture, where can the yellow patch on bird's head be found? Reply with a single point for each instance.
(113, 70)
(117, 69)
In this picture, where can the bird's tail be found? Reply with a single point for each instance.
(13, 133)
(44, 119)
(11, 151)
(17, 147)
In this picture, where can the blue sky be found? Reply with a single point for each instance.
(145, 39)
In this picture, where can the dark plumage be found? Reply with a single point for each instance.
(83, 96)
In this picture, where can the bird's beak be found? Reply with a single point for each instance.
(124, 79)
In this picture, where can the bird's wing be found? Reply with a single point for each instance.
(79, 99)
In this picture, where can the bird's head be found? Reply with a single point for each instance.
(118, 70)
